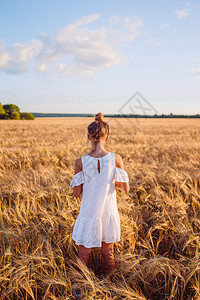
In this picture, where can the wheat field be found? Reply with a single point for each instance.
(158, 256)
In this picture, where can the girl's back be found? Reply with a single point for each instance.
(98, 219)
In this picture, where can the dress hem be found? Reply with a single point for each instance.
(78, 244)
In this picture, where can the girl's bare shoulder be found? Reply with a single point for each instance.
(119, 161)
(78, 165)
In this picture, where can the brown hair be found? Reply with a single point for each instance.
(98, 128)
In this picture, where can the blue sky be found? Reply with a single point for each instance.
(90, 56)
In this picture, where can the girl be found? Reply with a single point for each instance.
(97, 175)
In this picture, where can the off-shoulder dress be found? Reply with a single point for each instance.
(98, 218)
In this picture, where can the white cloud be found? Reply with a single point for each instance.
(182, 13)
(74, 49)
(90, 50)
(4, 58)
(84, 21)
(22, 55)
(195, 71)
(131, 28)
(16, 58)
(125, 29)
(68, 70)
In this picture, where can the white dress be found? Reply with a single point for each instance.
(98, 219)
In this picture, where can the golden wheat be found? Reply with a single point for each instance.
(158, 256)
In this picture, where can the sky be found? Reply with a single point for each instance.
(124, 56)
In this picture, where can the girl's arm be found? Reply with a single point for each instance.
(77, 190)
(123, 186)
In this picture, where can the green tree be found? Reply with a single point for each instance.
(2, 112)
(12, 111)
(16, 115)
(27, 116)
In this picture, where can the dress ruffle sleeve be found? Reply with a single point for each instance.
(77, 179)
(121, 175)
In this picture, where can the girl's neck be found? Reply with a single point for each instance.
(98, 149)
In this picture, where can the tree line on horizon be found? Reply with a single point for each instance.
(57, 115)
(12, 112)
(171, 115)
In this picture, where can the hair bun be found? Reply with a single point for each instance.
(99, 117)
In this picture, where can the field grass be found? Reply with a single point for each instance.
(158, 256)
